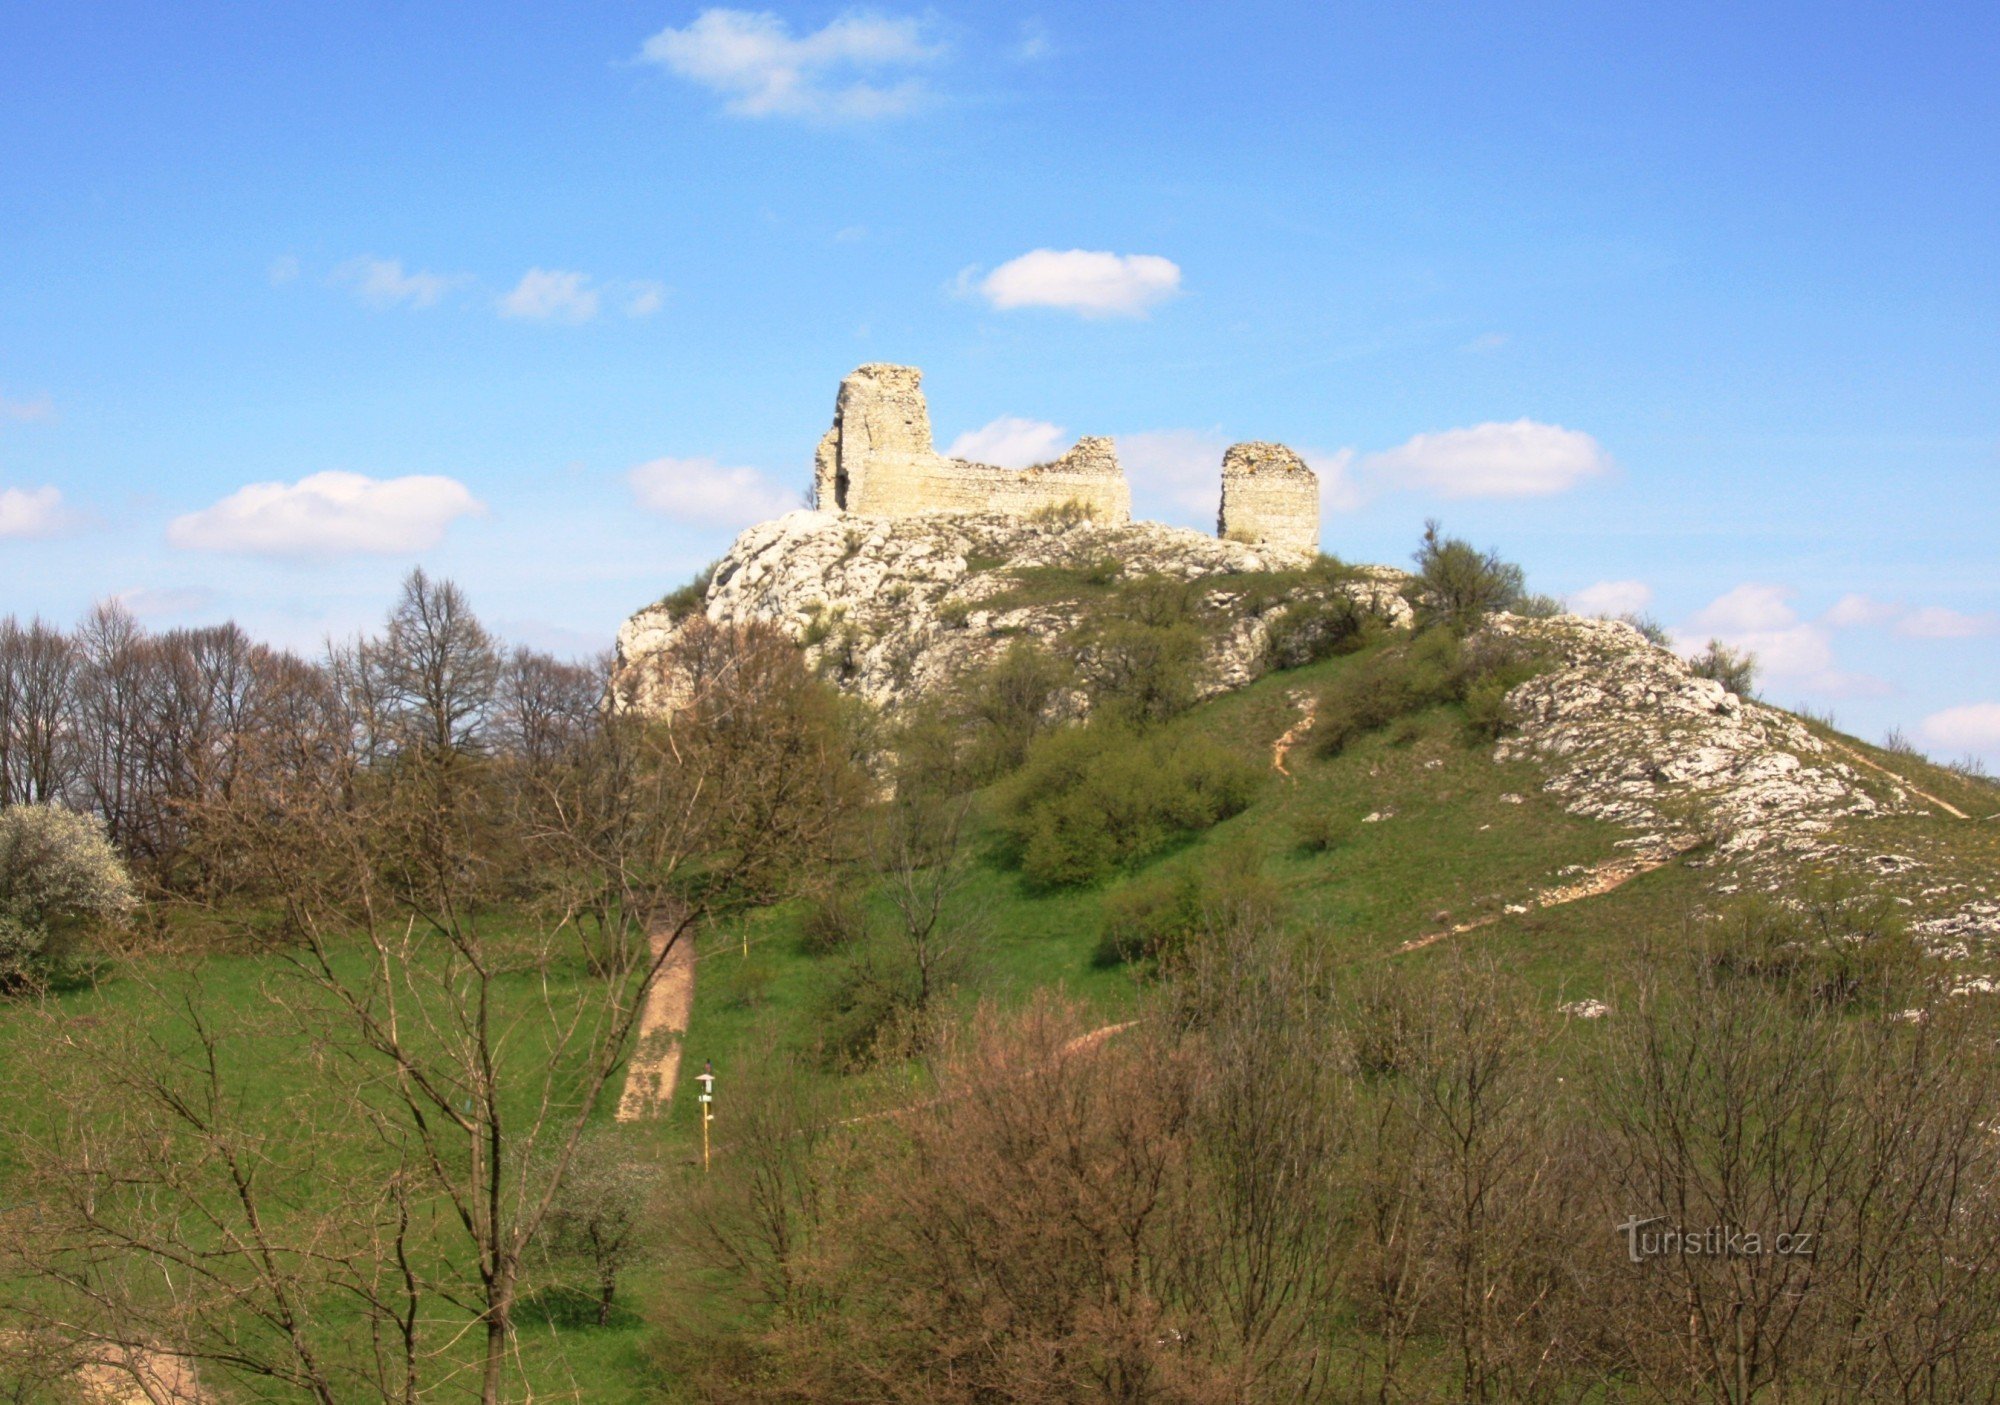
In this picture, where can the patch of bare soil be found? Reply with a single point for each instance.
(656, 1062)
(1592, 882)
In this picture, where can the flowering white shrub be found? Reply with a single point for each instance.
(58, 871)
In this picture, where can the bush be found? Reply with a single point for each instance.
(834, 921)
(1827, 945)
(1093, 797)
(1322, 831)
(1010, 704)
(1307, 631)
(681, 603)
(1654, 632)
(1734, 669)
(1158, 918)
(1434, 668)
(58, 873)
(1142, 673)
(1457, 585)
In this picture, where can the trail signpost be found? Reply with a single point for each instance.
(707, 1080)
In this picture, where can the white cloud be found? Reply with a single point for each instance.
(644, 298)
(1975, 727)
(328, 514)
(150, 602)
(1034, 42)
(1790, 651)
(1521, 459)
(1937, 622)
(35, 411)
(1612, 598)
(385, 283)
(283, 270)
(1011, 442)
(31, 512)
(1485, 342)
(1094, 284)
(845, 71)
(1181, 467)
(1854, 611)
(551, 295)
(703, 491)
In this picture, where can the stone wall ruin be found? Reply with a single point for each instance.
(878, 461)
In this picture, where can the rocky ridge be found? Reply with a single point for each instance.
(894, 608)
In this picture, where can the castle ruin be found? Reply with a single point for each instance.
(878, 461)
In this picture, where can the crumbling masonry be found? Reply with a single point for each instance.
(878, 461)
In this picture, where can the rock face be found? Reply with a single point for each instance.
(878, 461)
(892, 608)
(1628, 733)
(1269, 498)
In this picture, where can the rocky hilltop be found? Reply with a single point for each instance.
(893, 608)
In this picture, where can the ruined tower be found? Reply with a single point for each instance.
(1269, 498)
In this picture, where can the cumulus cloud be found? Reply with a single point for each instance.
(1090, 283)
(1612, 598)
(328, 514)
(856, 68)
(31, 512)
(701, 490)
(1494, 460)
(38, 410)
(1975, 727)
(1858, 611)
(385, 283)
(1011, 442)
(1937, 622)
(551, 295)
(1792, 651)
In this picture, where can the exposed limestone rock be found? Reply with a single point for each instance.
(1269, 498)
(878, 461)
(893, 608)
(1630, 734)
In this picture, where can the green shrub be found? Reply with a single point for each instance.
(1825, 944)
(1093, 797)
(1307, 631)
(1458, 585)
(1158, 918)
(58, 874)
(681, 603)
(1322, 831)
(834, 921)
(1382, 687)
(1009, 703)
(1734, 669)
(1142, 673)
(1654, 632)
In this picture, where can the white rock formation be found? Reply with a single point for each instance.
(893, 607)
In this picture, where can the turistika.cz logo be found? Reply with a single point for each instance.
(1715, 1242)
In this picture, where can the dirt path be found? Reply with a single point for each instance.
(1853, 755)
(1593, 882)
(1308, 708)
(656, 1062)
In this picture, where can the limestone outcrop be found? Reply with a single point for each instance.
(892, 608)
(1269, 498)
(878, 461)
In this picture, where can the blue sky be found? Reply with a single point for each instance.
(1695, 307)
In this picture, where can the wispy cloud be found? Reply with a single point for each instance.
(1519, 459)
(858, 67)
(1938, 622)
(282, 270)
(1790, 650)
(32, 512)
(1010, 442)
(385, 283)
(702, 491)
(38, 410)
(644, 297)
(164, 602)
(328, 514)
(1091, 283)
(551, 295)
(1611, 598)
